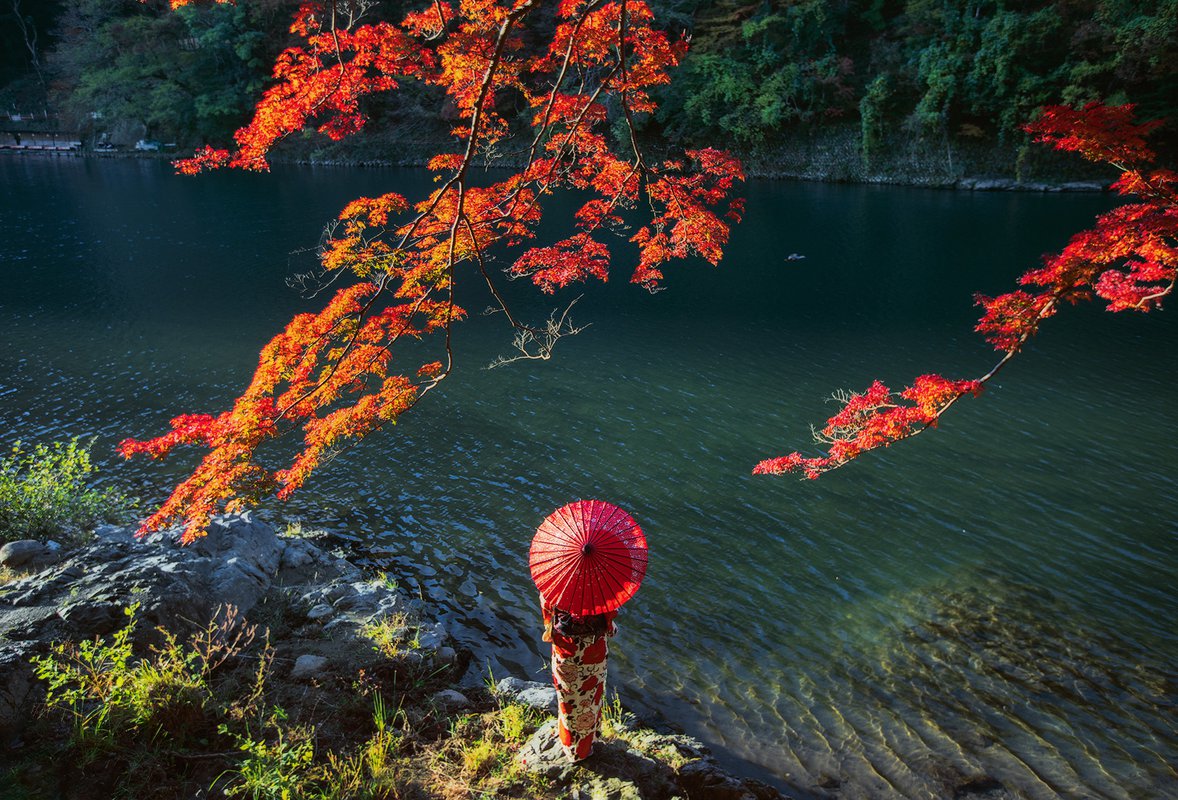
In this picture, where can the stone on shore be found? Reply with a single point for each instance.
(539, 696)
(639, 765)
(451, 698)
(308, 666)
(28, 554)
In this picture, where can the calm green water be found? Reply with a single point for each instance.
(993, 600)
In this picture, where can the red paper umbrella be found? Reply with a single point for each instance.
(588, 557)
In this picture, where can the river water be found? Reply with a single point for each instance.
(988, 607)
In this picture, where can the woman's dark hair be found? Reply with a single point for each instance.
(567, 624)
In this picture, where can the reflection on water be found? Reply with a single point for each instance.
(984, 611)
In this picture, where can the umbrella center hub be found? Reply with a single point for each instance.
(587, 548)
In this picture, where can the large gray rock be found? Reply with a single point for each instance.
(450, 698)
(308, 666)
(236, 564)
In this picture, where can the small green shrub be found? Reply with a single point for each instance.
(616, 721)
(391, 635)
(116, 700)
(516, 722)
(44, 492)
(90, 682)
(479, 757)
(278, 768)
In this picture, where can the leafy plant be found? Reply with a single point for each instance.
(114, 698)
(391, 635)
(45, 492)
(615, 719)
(92, 682)
(478, 757)
(274, 768)
(514, 721)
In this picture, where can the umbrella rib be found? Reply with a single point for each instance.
(550, 575)
(599, 584)
(571, 523)
(606, 583)
(606, 519)
(623, 554)
(561, 574)
(579, 589)
(558, 526)
(542, 562)
(624, 561)
(615, 583)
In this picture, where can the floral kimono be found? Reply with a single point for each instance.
(579, 653)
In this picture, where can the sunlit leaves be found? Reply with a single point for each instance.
(875, 418)
(1128, 258)
(687, 220)
(574, 259)
(1097, 132)
(322, 82)
(338, 375)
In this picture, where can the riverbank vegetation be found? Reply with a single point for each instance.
(761, 76)
(47, 491)
(206, 715)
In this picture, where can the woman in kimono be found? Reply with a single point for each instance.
(580, 651)
(587, 559)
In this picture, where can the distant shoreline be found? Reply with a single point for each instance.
(757, 168)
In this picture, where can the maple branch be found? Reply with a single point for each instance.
(331, 371)
(480, 103)
(544, 339)
(457, 178)
(564, 65)
(478, 254)
(381, 285)
(625, 88)
(566, 145)
(1096, 262)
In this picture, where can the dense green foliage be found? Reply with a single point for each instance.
(45, 492)
(189, 75)
(967, 67)
(974, 69)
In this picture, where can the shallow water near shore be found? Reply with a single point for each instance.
(990, 603)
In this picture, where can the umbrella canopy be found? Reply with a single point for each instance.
(588, 557)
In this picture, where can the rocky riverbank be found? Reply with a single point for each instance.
(332, 642)
(827, 154)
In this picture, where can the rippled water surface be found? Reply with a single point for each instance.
(988, 609)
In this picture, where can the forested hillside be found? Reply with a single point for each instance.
(759, 73)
